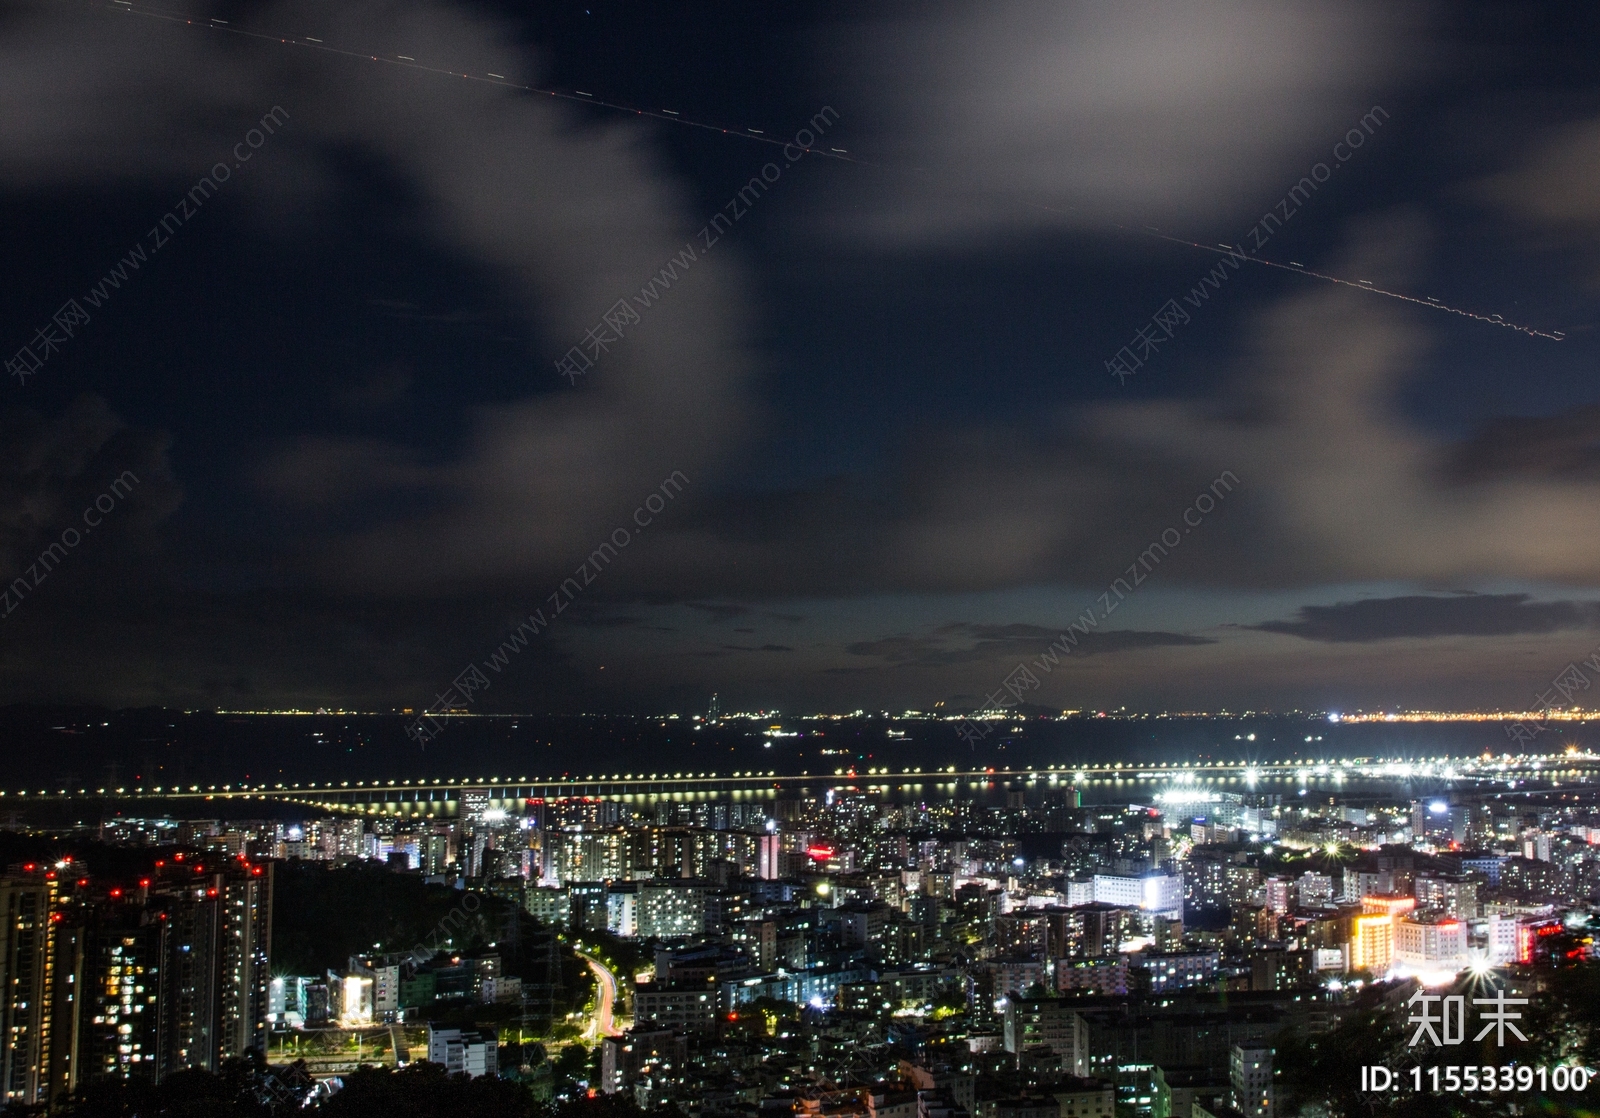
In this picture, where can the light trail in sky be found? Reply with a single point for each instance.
(1237, 253)
(407, 62)
(671, 116)
(1234, 253)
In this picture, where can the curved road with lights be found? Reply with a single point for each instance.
(603, 1024)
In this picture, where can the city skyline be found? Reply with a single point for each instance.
(979, 946)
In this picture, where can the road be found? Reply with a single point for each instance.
(602, 1024)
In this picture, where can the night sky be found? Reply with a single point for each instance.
(883, 393)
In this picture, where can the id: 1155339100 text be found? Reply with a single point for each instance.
(1477, 1079)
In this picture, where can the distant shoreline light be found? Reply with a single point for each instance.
(1554, 714)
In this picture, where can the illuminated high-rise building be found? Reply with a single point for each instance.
(590, 855)
(217, 934)
(1250, 1080)
(474, 805)
(1430, 941)
(1454, 895)
(771, 857)
(1372, 943)
(102, 974)
(119, 980)
(27, 984)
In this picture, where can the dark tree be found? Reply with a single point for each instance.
(322, 916)
(424, 1090)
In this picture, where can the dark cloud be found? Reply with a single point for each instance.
(393, 308)
(1012, 642)
(51, 470)
(720, 610)
(596, 620)
(1557, 186)
(567, 219)
(898, 650)
(160, 642)
(1422, 615)
(1330, 482)
(1565, 445)
(416, 510)
(376, 389)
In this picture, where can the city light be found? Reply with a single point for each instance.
(1308, 879)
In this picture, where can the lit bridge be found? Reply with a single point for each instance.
(1174, 782)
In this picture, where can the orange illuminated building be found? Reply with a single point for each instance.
(1387, 904)
(1373, 932)
(1372, 942)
